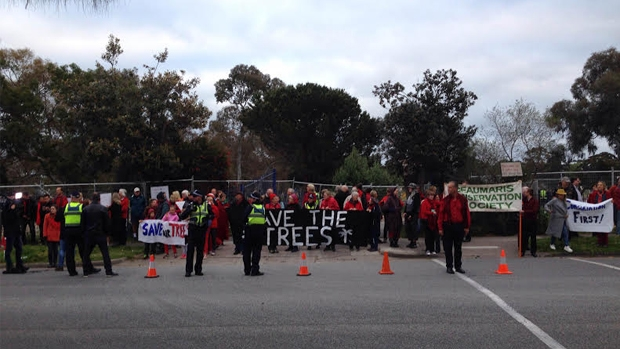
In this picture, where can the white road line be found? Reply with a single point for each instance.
(537, 331)
(596, 263)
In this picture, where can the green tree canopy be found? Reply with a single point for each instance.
(312, 127)
(425, 138)
(356, 169)
(595, 108)
(104, 123)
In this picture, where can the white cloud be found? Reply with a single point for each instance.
(502, 50)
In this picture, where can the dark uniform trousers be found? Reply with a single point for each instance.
(89, 243)
(73, 237)
(252, 246)
(529, 232)
(195, 244)
(453, 236)
(13, 241)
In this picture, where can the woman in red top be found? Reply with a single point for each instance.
(596, 197)
(328, 202)
(51, 232)
(428, 220)
(355, 204)
(211, 239)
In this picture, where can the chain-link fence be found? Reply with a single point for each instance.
(545, 183)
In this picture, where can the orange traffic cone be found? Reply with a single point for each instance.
(503, 267)
(385, 269)
(151, 273)
(303, 268)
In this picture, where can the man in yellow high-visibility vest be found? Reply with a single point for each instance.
(255, 235)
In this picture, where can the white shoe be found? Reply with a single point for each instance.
(568, 249)
(433, 253)
(552, 246)
(213, 253)
(428, 253)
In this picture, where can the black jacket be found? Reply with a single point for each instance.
(10, 218)
(95, 220)
(341, 197)
(236, 213)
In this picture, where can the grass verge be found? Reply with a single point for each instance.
(585, 246)
(38, 253)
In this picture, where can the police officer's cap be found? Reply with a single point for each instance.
(255, 195)
(75, 194)
(197, 193)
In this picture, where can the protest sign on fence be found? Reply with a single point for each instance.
(590, 218)
(156, 230)
(502, 197)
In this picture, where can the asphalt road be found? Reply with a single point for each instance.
(343, 304)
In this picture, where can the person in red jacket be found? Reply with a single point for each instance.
(329, 202)
(596, 197)
(529, 211)
(51, 232)
(454, 221)
(615, 194)
(211, 239)
(222, 221)
(60, 200)
(428, 221)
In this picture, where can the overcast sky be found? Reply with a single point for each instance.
(502, 50)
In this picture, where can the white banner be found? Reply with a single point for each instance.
(503, 197)
(156, 230)
(156, 190)
(590, 218)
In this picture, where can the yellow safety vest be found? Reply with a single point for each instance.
(200, 214)
(73, 214)
(308, 207)
(257, 216)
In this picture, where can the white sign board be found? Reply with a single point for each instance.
(591, 218)
(511, 169)
(156, 190)
(106, 199)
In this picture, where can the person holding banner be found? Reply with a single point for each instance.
(529, 211)
(198, 215)
(596, 197)
(558, 212)
(453, 224)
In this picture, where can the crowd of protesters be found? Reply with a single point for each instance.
(422, 213)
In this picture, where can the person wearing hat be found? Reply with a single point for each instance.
(558, 212)
(11, 223)
(70, 219)
(412, 213)
(137, 207)
(255, 235)
(198, 214)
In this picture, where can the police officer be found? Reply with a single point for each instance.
(11, 222)
(255, 235)
(198, 214)
(71, 231)
(95, 224)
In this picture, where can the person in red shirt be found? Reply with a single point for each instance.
(454, 221)
(529, 211)
(60, 200)
(428, 221)
(328, 202)
(596, 197)
(51, 231)
(615, 194)
(211, 237)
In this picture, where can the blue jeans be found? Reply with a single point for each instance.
(564, 236)
(61, 254)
